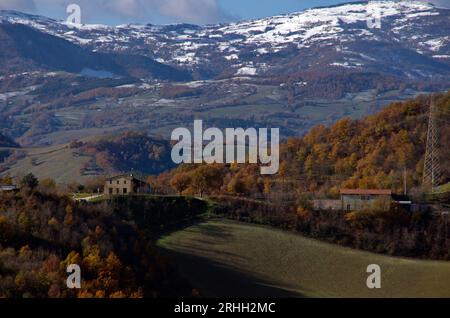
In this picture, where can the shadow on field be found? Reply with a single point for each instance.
(217, 280)
(214, 231)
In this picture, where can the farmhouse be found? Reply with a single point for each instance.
(358, 199)
(125, 184)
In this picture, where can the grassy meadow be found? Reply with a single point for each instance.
(230, 259)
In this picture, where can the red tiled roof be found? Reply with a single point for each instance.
(366, 191)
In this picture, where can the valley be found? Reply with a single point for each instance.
(45, 129)
(158, 108)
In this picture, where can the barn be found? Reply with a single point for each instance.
(359, 199)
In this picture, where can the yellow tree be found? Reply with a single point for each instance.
(6, 180)
(207, 177)
(180, 182)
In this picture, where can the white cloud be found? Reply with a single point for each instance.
(192, 11)
(197, 11)
(21, 5)
(144, 11)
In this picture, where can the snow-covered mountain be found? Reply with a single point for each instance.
(413, 41)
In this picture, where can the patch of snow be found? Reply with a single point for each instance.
(247, 70)
(436, 44)
(186, 58)
(232, 57)
(126, 86)
(262, 51)
(345, 65)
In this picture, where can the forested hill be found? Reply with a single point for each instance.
(129, 151)
(42, 233)
(370, 153)
(373, 152)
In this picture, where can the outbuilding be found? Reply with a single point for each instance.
(359, 199)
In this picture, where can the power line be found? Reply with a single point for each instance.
(432, 168)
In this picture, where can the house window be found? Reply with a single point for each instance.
(110, 191)
(125, 182)
(118, 181)
(110, 181)
(124, 190)
(348, 207)
(117, 191)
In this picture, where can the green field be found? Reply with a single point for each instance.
(229, 259)
(56, 162)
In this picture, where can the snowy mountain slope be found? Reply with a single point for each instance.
(412, 43)
(25, 49)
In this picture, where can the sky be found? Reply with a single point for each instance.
(170, 11)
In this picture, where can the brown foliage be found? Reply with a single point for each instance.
(41, 234)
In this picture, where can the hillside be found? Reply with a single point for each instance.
(48, 232)
(129, 152)
(25, 49)
(219, 255)
(373, 152)
(7, 142)
(369, 153)
(87, 158)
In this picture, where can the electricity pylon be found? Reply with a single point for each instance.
(432, 169)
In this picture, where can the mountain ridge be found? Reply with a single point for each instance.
(26, 48)
(267, 47)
